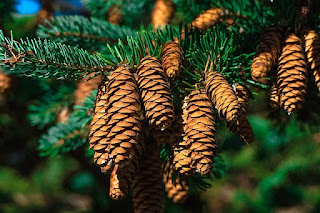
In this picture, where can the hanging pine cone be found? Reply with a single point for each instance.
(120, 131)
(177, 189)
(304, 7)
(121, 179)
(199, 140)
(292, 75)
(5, 82)
(274, 97)
(147, 185)
(155, 93)
(46, 12)
(242, 128)
(312, 49)
(243, 95)
(85, 88)
(172, 57)
(222, 95)
(162, 13)
(114, 15)
(209, 18)
(267, 53)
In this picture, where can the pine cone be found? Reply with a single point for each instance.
(223, 96)
(147, 185)
(177, 189)
(304, 7)
(209, 18)
(85, 87)
(172, 57)
(163, 12)
(5, 82)
(312, 49)
(171, 135)
(120, 131)
(199, 140)
(46, 12)
(292, 75)
(242, 128)
(267, 53)
(114, 15)
(243, 95)
(155, 93)
(274, 97)
(121, 179)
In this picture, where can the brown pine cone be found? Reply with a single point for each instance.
(147, 185)
(242, 128)
(292, 75)
(46, 12)
(312, 49)
(120, 132)
(5, 82)
(243, 95)
(155, 93)
(162, 13)
(274, 97)
(114, 15)
(267, 53)
(222, 95)
(199, 140)
(177, 189)
(304, 7)
(85, 87)
(209, 18)
(172, 57)
(121, 179)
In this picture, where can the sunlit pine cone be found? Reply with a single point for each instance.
(172, 58)
(267, 53)
(292, 75)
(274, 96)
(222, 95)
(155, 93)
(162, 13)
(243, 95)
(148, 185)
(85, 88)
(209, 18)
(177, 189)
(312, 49)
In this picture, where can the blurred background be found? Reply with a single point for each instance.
(279, 172)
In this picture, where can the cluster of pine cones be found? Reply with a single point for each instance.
(292, 57)
(134, 115)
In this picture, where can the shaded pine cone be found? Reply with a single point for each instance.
(155, 93)
(172, 57)
(304, 7)
(267, 53)
(162, 13)
(85, 88)
(120, 132)
(243, 95)
(114, 15)
(312, 49)
(242, 129)
(121, 179)
(274, 96)
(222, 95)
(177, 189)
(5, 82)
(147, 185)
(292, 75)
(199, 139)
(209, 18)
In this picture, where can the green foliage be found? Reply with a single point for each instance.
(88, 33)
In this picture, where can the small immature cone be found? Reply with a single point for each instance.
(120, 132)
(267, 53)
(148, 185)
(163, 12)
(155, 93)
(199, 139)
(177, 189)
(172, 57)
(292, 75)
(85, 88)
(121, 179)
(5, 82)
(312, 49)
(274, 97)
(243, 95)
(222, 95)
